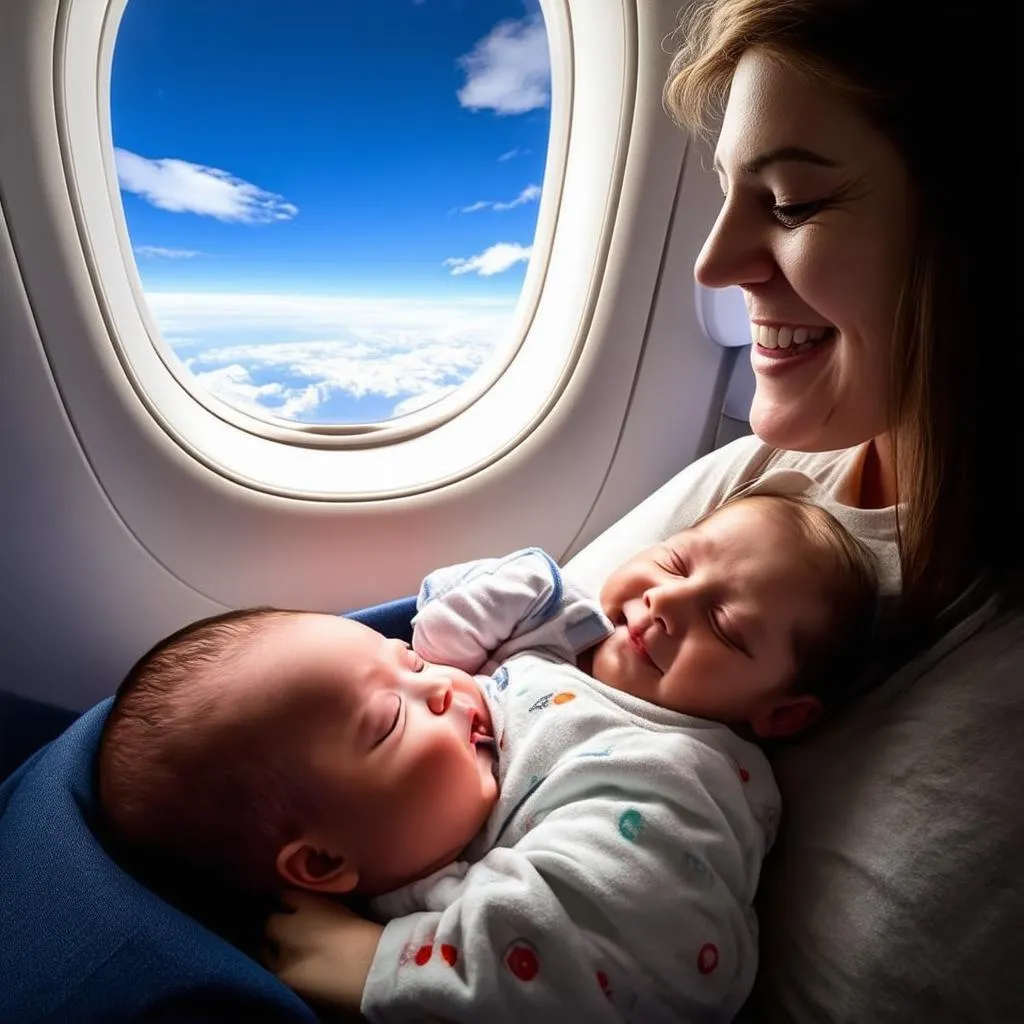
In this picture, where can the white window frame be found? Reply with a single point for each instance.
(593, 56)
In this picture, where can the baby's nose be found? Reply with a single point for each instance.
(665, 607)
(439, 697)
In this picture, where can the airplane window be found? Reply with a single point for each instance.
(331, 205)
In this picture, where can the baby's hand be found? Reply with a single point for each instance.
(321, 949)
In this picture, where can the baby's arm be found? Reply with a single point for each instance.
(465, 613)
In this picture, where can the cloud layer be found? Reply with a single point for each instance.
(183, 187)
(309, 358)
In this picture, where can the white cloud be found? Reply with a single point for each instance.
(159, 252)
(233, 384)
(183, 187)
(512, 154)
(528, 195)
(491, 261)
(413, 351)
(508, 70)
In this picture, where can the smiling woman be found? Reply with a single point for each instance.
(313, 258)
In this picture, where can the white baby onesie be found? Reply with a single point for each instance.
(614, 879)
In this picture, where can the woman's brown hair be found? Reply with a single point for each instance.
(935, 78)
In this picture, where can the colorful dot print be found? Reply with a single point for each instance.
(522, 960)
(631, 824)
(707, 958)
(420, 955)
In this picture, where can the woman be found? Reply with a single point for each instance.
(866, 252)
(847, 218)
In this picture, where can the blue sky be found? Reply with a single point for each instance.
(331, 202)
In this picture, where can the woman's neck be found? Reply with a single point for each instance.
(876, 485)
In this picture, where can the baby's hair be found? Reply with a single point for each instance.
(830, 657)
(182, 779)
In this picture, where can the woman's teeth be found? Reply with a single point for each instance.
(802, 338)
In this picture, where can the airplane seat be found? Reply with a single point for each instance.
(83, 939)
(25, 726)
(722, 314)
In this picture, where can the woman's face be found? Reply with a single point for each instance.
(816, 228)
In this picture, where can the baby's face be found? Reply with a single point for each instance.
(400, 748)
(704, 622)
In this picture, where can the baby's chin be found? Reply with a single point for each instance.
(613, 663)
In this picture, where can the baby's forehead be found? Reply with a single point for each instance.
(316, 657)
(275, 665)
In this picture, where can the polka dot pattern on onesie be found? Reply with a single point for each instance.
(631, 824)
(707, 958)
(522, 960)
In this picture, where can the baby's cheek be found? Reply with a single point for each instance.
(611, 596)
(604, 664)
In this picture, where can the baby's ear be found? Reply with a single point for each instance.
(792, 714)
(309, 866)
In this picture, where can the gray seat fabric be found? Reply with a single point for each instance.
(894, 893)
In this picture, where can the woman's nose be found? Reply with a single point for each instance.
(439, 696)
(733, 252)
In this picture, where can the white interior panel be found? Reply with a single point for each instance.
(81, 598)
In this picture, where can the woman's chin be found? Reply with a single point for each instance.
(781, 426)
(827, 427)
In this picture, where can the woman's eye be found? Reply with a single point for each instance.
(792, 214)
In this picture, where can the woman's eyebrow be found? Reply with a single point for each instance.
(781, 154)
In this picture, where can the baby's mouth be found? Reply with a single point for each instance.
(636, 642)
(479, 732)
